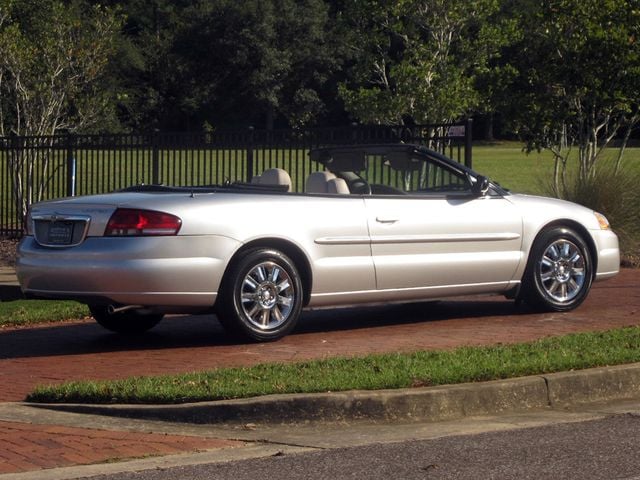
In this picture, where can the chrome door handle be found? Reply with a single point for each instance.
(386, 220)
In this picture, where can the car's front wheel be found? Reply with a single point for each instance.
(559, 272)
(261, 295)
(126, 322)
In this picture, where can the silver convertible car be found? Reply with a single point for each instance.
(376, 224)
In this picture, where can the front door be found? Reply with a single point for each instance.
(444, 241)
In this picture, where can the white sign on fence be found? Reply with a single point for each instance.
(456, 131)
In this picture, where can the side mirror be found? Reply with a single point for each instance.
(480, 187)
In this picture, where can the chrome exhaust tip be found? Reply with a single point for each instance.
(111, 309)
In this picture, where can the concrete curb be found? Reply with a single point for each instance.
(432, 404)
(594, 385)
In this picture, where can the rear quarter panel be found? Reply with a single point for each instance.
(304, 221)
(215, 228)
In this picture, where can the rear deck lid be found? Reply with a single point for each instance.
(67, 222)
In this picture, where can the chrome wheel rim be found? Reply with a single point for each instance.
(267, 296)
(562, 271)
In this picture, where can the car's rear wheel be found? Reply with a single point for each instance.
(261, 296)
(127, 322)
(560, 271)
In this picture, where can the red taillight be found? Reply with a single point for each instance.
(133, 222)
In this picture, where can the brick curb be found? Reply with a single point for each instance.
(434, 404)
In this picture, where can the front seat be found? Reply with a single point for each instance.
(317, 182)
(274, 176)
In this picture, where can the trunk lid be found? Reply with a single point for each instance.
(66, 222)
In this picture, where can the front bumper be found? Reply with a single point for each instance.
(606, 243)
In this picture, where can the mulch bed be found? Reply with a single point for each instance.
(8, 252)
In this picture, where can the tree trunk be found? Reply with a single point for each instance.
(270, 117)
(488, 127)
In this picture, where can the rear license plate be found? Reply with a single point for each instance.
(60, 233)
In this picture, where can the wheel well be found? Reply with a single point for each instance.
(291, 250)
(579, 229)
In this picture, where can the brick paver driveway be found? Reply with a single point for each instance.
(54, 354)
(27, 447)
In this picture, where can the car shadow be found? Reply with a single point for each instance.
(191, 331)
(89, 337)
(354, 318)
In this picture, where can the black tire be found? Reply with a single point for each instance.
(128, 323)
(261, 296)
(559, 271)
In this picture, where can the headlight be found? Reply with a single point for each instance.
(602, 220)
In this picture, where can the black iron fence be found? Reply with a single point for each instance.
(40, 168)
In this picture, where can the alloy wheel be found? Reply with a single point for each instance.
(562, 270)
(267, 296)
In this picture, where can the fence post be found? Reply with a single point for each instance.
(15, 198)
(250, 150)
(155, 158)
(71, 165)
(354, 133)
(468, 143)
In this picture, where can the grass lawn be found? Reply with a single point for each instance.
(424, 368)
(509, 165)
(29, 312)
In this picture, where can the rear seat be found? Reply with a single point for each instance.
(273, 176)
(326, 182)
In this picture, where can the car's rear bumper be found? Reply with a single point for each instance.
(150, 271)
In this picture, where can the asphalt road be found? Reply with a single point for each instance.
(600, 449)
